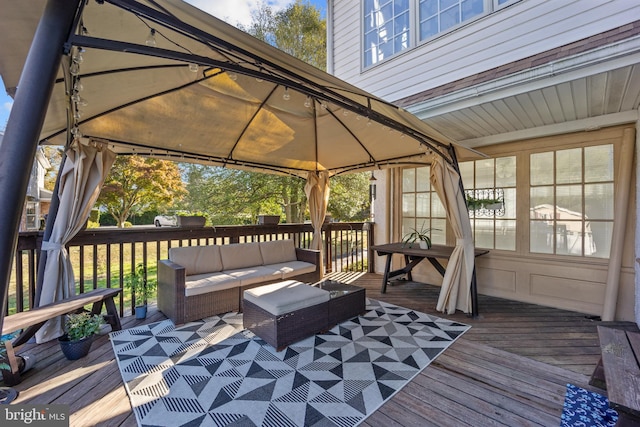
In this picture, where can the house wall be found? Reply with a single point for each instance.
(567, 282)
(481, 44)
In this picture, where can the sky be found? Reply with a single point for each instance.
(232, 11)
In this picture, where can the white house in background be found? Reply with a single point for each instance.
(550, 91)
(38, 198)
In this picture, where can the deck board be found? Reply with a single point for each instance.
(511, 368)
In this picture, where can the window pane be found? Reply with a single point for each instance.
(466, 173)
(569, 237)
(423, 182)
(471, 8)
(408, 224)
(541, 168)
(541, 203)
(602, 233)
(428, 28)
(541, 237)
(423, 204)
(408, 180)
(506, 171)
(509, 203)
(506, 235)
(437, 208)
(449, 18)
(598, 201)
(484, 173)
(428, 8)
(444, 4)
(402, 24)
(409, 204)
(484, 233)
(400, 6)
(569, 202)
(438, 231)
(569, 166)
(598, 163)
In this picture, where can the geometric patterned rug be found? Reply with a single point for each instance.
(214, 373)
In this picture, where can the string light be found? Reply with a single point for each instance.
(193, 68)
(286, 96)
(151, 38)
(233, 76)
(307, 102)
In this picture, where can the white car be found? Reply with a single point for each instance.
(165, 221)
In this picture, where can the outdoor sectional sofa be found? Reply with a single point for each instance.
(201, 281)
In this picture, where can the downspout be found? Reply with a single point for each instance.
(20, 143)
(329, 21)
(621, 206)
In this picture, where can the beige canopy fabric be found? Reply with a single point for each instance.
(81, 179)
(317, 191)
(456, 284)
(247, 104)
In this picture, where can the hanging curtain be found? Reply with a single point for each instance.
(317, 191)
(81, 179)
(456, 285)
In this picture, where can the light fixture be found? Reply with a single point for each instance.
(286, 96)
(193, 68)
(151, 38)
(307, 102)
(372, 187)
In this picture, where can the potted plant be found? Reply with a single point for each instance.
(80, 329)
(141, 289)
(422, 237)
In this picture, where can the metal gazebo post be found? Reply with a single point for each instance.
(20, 142)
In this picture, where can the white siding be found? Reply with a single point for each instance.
(509, 34)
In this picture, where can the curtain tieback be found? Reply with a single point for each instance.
(51, 246)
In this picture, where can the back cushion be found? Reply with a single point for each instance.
(278, 251)
(240, 255)
(197, 259)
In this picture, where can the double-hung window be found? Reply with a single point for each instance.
(386, 29)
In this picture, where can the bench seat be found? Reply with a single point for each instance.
(31, 321)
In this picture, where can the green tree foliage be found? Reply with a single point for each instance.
(349, 198)
(136, 184)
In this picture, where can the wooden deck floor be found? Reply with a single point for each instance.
(509, 369)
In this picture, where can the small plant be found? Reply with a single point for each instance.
(3, 357)
(140, 286)
(82, 325)
(418, 236)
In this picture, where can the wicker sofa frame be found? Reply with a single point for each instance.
(180, 308)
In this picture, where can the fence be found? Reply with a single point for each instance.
(106, 257)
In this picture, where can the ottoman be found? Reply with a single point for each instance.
(285, 312)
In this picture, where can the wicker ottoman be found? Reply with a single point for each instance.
(285, 312)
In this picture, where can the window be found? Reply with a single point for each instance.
(31, 214)
(436, 16)
(421, 206)
(488, 179)
(571, 201)
(386, 29)
(392, 26)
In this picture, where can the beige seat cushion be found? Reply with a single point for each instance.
(210, 282)
(293, 268)
(251, 275)
(285, 297)
(240, 255)
(197, 259)
(278, 251)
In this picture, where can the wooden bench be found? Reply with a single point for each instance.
(619, 365)
(31, 321)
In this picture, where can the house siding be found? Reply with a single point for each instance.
(480, 45)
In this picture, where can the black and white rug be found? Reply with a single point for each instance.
(214, 373)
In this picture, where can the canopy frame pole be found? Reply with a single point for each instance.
(18, 149)
(474, 280)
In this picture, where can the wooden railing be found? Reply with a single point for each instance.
(105, 257)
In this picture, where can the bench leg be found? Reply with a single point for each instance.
(113, 315)
(12, 377)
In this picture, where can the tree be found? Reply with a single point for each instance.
(136, 184)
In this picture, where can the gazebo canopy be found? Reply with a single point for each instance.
(209, 93)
